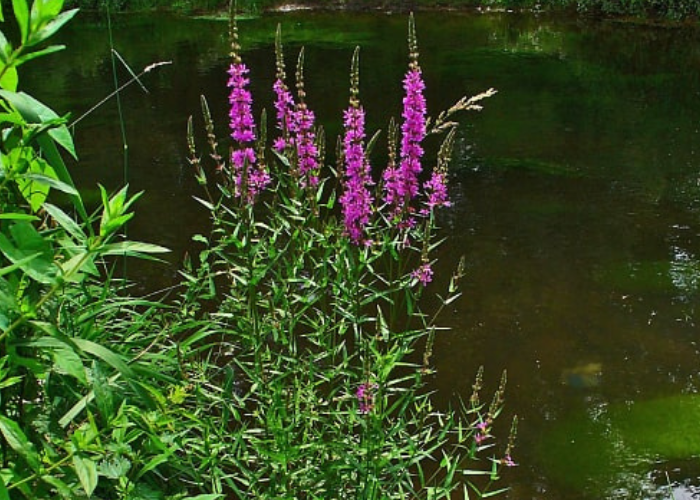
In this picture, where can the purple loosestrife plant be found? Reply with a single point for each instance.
(401, 183)
(356, 199)
(249, 175)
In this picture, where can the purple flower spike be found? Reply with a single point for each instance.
(365, 398)
(401, 183)
(245, 167)
(307, 152)
(284, 106)
(240, 99)
(436, 190)
(356, 199)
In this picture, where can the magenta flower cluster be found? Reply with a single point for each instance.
(307, 152)
(284, 107)
(296, 124)
(244, 163)
(436, 191)
(401, 183)
(424, 273)
(365, 397)
(356, 199)
(483, 432)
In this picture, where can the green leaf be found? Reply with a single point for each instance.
(206, 496)
(65, 359)
(38, 53)
(21, 10)
(16, 216)
(77, 267)
(52, 182)
(134, 248)
(4, 494)
(34, 185)
(51, 27)
(115, 468)
(66, 222)
(110, 357)
(5, 46)
(17, 265)
(54, 158)
(87, 473)
(35, 111)
(63, 489)
(26, 243)
(10, 78)
(17, 440)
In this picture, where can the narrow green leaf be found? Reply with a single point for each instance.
(132, 248)
(4, 494)
(108, 356)
(87, 473)
(17, 440)
(16, 216)
(21, 10)
(51, 27)
(66, 359)
(10, 79)
(18, 265)
(38, 53)
(66, 222)
(63, 489)
(52, 182)
(54, 158)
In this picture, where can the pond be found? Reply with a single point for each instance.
(576, 205)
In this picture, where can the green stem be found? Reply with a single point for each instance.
(43, 473)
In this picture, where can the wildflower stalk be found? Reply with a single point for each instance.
(284, 102)
(307, 152)
(401, 183)
(356, 199)
(247, 169)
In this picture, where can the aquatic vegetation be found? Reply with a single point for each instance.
(622, 444)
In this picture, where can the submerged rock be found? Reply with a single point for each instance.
(583, 376)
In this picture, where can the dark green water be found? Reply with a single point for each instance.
(577, 206)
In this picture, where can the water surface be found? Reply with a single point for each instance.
(576, 204)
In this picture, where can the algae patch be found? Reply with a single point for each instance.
(622, 443)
